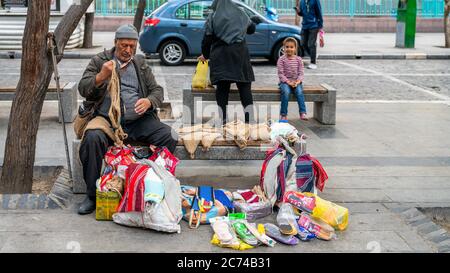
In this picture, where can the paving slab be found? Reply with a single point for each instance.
(423, 196)
(388, 182)
(356, 195)
(366, 208)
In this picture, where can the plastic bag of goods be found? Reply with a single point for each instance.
(254, 211)
(316, 226)
(334, 215)
(224, 234)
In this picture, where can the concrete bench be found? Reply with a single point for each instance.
(323, 96)
(68, 97)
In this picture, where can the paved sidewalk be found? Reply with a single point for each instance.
(383, 160)
(338, 46)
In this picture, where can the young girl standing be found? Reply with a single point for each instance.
(290, 72)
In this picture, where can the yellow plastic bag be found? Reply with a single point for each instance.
(201, 76)
(334, 215)
(241, 246)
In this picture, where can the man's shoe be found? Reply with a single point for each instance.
(87, 207)
(312, 66)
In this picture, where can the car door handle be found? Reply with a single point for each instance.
(183, 24)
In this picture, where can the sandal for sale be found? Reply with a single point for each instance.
(274, 232)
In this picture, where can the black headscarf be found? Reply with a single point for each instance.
(228, 22)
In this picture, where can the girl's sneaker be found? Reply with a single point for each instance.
(283, 118)
(303, 116)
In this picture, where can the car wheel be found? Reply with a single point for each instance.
(277, 52)
(172, 53)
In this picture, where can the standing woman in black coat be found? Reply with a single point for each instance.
(225, 46)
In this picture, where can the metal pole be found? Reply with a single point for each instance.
(52, 47)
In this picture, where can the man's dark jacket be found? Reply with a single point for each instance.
(147, 82)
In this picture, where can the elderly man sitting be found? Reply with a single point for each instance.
(140, 96)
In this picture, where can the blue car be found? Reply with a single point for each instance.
(175, 31)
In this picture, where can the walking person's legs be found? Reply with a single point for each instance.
(92, 151)
(245, 92)
(304, 43)
(285, 91)
(312, 46)
(222, 92)
(301, 101)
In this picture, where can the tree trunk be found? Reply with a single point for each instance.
(88, 29)
(139, 15)
(17, 172)
(447, 23)
(36, 72)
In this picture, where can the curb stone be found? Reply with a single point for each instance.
(445, 243)
(438, 236)
(417, 221)
(425, 227)
(394, 56)
(61, 192)
(444, 250)
(399, 210)
(438, 56)
(372, 56)
(23, 201)
(416, 56)
(411, 213)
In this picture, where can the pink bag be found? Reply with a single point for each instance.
(321, 38)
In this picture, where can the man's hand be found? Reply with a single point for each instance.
(201, 58)
(105, 73)
(142, 105)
